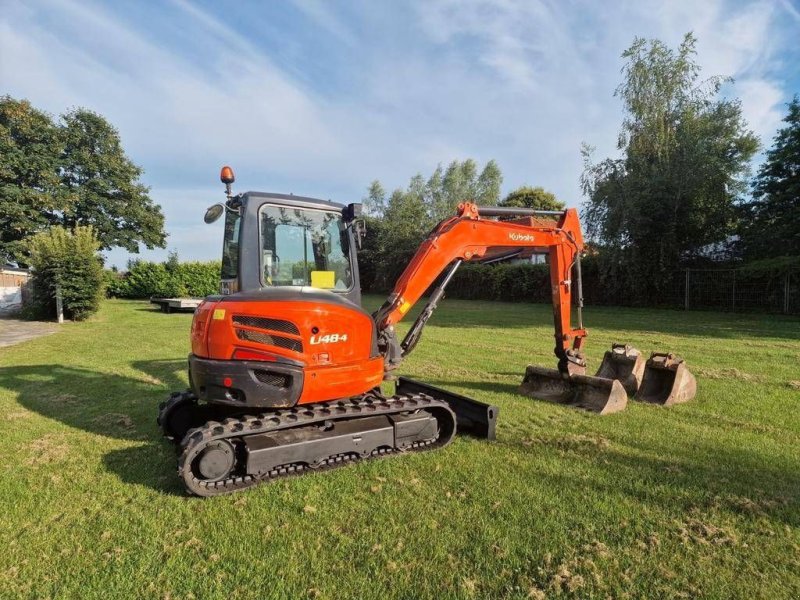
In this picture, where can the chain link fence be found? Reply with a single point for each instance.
(738, 290)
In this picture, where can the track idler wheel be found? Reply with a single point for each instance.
(215, 462)
(666, 380)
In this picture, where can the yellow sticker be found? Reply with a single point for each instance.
(404, 307)
(219, 314)
(325, 280)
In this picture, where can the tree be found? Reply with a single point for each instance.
(772, 221)
(461, 182)
(533, 197)
(103, 184)
(375, 200)
(399, 225)
(71, 172)
(66, 260)
(685, 157)
(29, 190)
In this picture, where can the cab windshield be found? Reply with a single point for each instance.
(304, 247)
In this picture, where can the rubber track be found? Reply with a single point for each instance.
(168, 406)
(196, 439)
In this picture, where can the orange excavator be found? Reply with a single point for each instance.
(286, 366)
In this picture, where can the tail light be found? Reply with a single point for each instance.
(242, 354)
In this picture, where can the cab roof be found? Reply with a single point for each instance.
(290, 199)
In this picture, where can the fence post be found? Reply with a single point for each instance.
(59, 305)
(686, 294)
(733, 293)
(786, 294)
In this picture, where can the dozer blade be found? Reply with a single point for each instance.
(666, 381)
(472, 417)
(624, 363)
(596, 394)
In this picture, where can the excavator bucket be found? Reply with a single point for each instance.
(625, 364)
(666, 381)
(595, 394)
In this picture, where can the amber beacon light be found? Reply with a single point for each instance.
(226, 175)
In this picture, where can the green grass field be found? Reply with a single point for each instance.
(698, 500)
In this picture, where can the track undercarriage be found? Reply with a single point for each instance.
(222, 451)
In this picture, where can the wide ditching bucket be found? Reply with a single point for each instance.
(596, 394)
(666, 381)
(624, 363)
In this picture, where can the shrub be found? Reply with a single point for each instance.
(199, 279)
(69, 260)
(172, 279)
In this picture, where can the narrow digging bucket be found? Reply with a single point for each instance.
(595, 394)
(666, 381)
(624, 363)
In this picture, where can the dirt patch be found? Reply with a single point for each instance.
(63, 399)
(47, 449)
(597, 548)
(569, 576)
(762, 506)
(699, 532)
(114, 421)
(795, 385)
(150, 379)
(731, 373)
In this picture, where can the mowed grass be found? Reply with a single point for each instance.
(698, 500)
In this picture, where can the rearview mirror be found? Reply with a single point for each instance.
(213, 213)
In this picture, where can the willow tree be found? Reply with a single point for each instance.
(684, 155)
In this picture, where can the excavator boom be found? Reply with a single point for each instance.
(472, 235)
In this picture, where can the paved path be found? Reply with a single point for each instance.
(14, 331)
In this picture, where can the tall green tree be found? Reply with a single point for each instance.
(409, 214)
(71, 172)
(533, 197)
(103, 184)
(772, 222)
(684, 163)
(375, 200)
(30, 198)
(461, 182)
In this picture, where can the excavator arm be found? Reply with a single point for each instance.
(472, 235)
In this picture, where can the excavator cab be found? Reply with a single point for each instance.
(287, 241)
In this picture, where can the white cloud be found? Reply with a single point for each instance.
(524, 82)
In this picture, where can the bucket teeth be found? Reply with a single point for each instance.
(595, 394)
(624, 363)
(666, 380)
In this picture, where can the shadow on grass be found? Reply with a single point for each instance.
(125, 408)
(471, 314)
(478, 386)
(735, 480)
(110, 405)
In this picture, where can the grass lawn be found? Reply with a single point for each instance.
(698, 500)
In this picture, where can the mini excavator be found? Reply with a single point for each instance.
(286, 366)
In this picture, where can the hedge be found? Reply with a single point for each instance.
(526, 282)
(165, 280)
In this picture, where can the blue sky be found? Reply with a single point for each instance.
(319, 98)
